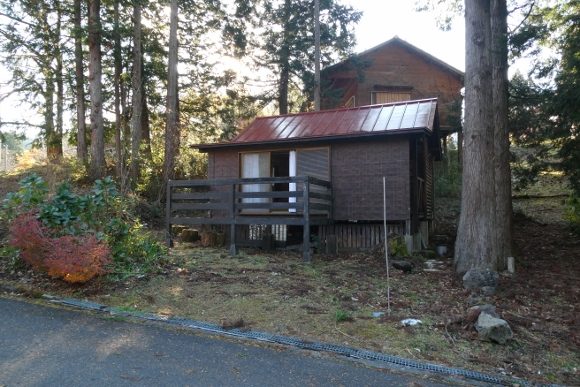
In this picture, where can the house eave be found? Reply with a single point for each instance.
(311, 140)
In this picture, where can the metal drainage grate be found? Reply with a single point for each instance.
(292, 341)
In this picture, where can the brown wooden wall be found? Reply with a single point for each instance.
(357, 179)
(223, 164)
(396, 66)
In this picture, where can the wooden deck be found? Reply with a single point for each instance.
(303, 200)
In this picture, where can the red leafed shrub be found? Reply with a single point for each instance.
(75, 259)
(28, 235)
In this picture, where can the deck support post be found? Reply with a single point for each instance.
(233, 249)
(306, 234)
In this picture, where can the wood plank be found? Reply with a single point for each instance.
(268, 206)
(295, 221)
(320, 195)
(320, 206)
(273, 194)
(199, 195)
(199, 206)
(191, 221)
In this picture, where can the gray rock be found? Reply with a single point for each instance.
(479, 278)
(474, 312)
(488, 290)
(404, 266)
(493, 329)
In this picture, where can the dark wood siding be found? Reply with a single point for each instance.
(429, 191)
(357, 179)
(223, 164)
(313, 162)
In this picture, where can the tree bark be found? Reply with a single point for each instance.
(499, 36)
(172, 131)
(97, 166)
(137, 104)
(146, 130)
(476, 244)
(52, 139)
(316, 55)
(59, 78)
(49, 131)
(79, 85)
(284, 64)
(120, 165)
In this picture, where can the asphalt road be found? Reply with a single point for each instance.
(47, 346)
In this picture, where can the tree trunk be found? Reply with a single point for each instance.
(476, 244)
(146, 130)
(59, 78)
(172, 112)
(79, 85)
(120, 165)
(316, 55)
(52, 140)
(137, 104)
(284, 64)
(501, 140)
(49, 131)
(97, 166)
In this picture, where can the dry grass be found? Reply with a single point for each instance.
(332, 300)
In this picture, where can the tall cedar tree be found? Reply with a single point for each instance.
(30, 31)
(476, 244)
(118, 91)
(82, 153)
(483, 115)
(137, 86)
(97, 166)
(503, 181)
(172, 111)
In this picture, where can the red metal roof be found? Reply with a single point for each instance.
(407, 116)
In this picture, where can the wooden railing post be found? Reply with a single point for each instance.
(168, 236)
(233, 250)
(306, 221)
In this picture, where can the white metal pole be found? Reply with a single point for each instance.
(386, 244)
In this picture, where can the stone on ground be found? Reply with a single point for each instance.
(404, 266)
(478, 279)
(493, 329)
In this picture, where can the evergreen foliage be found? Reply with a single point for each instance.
(50, 231)
(544, 115)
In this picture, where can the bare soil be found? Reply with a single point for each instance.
(333, 299)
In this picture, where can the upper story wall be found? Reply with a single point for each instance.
(394, 67)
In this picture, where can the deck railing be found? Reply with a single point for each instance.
(301, 200)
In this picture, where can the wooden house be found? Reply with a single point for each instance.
(394, 71)
(320, 174)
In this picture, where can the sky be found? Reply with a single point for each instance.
(381, 21)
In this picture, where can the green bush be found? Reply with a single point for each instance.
(342, 315)
(398, 247)
(447, 176)
(101, 212)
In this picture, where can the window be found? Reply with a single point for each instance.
(378, 97)
(350, 103)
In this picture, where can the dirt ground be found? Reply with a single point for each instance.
(333, 299)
